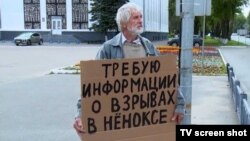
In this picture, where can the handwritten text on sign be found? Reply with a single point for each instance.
(127, 93)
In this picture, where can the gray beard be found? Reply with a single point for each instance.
(135, 31)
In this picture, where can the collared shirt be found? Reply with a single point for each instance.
(137, 41)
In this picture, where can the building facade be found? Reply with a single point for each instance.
(69, 19)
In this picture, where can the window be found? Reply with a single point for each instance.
(32, 14)
(80, 14)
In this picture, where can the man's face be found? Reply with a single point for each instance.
(134, 24)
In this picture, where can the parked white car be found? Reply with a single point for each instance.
(28, 38)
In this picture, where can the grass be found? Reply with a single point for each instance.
(234, 43)
(209, 41)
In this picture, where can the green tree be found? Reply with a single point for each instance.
(239, 22)
(103, 15)
(248, 21)
(221, 22)
(174, 21)
(222, 19)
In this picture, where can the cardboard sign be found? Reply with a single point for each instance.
(129, 99)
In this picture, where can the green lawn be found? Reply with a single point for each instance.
(215, 42)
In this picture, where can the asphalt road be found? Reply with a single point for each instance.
(35, 106)
(39, 109)
(239, 58)
(23, 62)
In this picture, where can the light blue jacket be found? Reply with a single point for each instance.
(112, 49)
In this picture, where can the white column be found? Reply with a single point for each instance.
(69, 14)
(89, 14)
(43, 14)
(0, 19)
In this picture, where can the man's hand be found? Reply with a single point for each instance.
(178, 117)
(79, 127)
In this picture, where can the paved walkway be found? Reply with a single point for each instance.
(212, 102)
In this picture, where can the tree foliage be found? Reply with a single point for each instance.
(239, 22)
(223, 18)
(248, 21)
(174, 21)
(103, 14)
(222, 21)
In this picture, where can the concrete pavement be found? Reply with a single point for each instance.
(42, 107)
(212, 101)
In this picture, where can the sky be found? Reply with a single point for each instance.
(245, 10)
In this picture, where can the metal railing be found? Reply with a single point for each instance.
(239, 97)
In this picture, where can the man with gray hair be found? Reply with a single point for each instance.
(129, 44)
